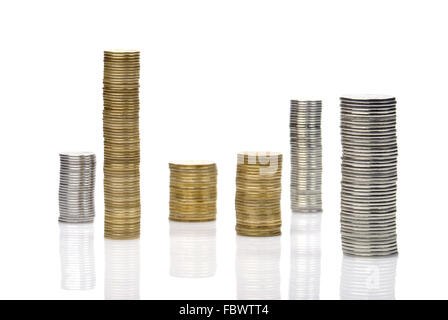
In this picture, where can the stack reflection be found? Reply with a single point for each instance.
(368, 278)
(305, 256)
(77, 256)
(258, 268)
(192, 249)
(122, 269)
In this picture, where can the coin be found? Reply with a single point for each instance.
(193, 191)
(121, 144)
(258, 193)
(306, 155)
(369, 175)
(77, 187)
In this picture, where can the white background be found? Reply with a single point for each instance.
(216, 78)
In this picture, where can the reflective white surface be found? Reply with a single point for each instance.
(305, 256)
(192, 249)
(77, 256)
(258, 267)
(368, 278)
(226, 90)
(122, 275)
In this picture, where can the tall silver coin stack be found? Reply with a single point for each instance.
(306, 155)
(369, 175)
(77, 187)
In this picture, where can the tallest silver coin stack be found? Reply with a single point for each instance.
(369, 175)
(306, 155)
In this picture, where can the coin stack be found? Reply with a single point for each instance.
(369, 175)
(258, 192)
(193, 191)
(77, 187)
(121, 144)
(306, 155)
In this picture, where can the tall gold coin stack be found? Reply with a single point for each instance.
(121, 144)
(193, 191)
(258, 193)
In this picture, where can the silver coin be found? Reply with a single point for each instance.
(369, 175)
(76, 187)
(306, 155)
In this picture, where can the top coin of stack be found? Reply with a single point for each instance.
(306, 156)
(369, 175)
(121, 144)
(258, 192)
(193, 191)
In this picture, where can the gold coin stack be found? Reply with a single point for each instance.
(258, 193)
(121, 144)
(193, 191)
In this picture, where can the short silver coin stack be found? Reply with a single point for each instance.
(369, 175)
(306, 155)
(77, 187)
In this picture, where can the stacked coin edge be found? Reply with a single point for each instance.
(258, 194)
(121, 144)
(193, 191)
(77, 187)
(369, 175)
(306, 156)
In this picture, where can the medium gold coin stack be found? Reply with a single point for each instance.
(193, 191)
(258, 193)
(121, 144)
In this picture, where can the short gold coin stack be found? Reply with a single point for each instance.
(121, 144)
(193, 191)
(258, 193)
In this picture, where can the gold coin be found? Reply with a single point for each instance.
(193, 191)
(121, 144)
(258, 194)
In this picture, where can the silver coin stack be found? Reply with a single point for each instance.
(306, 156)
(76, 187)
(369, 175)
